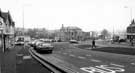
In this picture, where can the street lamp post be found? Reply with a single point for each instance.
(130, 11)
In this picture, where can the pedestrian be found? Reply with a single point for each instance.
(132, 44)
(93, 43)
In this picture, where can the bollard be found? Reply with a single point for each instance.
(19, 58)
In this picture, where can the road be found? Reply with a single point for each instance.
(93, 61)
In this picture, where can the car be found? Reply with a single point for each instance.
(19, 43)
(42, 47)
(122, 40)
(73, 41)
(33, 43)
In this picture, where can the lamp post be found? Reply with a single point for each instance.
(130, 11)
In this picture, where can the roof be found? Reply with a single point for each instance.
(6, 16)
(132, 23)
(72, 28)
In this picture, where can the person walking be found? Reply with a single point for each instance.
(132, 43)
(93, 43)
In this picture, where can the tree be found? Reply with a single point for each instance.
(105, 33)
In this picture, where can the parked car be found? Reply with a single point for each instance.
(73, 41)
(122, 40)
(42, 47)
(33, 43)
(19, 43)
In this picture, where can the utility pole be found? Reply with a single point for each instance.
(130, 11)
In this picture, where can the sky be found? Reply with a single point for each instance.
(89, 15)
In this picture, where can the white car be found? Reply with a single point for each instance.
(19, 43)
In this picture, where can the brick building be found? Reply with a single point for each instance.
(72, 32)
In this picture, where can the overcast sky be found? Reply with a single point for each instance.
(89, 15)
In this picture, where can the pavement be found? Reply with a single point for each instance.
(18, 60)
(8, 61)
(27, 64)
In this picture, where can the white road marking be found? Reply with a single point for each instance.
(72, 55)
(102, 69)
(132, 63)
(117, 65)
(88, 55)
(80, 57)
(94, 60)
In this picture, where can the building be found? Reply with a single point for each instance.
(72, 32)
(7, 26)
(131, 30)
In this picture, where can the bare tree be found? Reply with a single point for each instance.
(105, 33)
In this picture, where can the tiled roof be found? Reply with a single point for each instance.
(6, 16)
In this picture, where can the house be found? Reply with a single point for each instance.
(7, 26)
(131, 30)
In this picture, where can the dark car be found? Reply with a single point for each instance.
(122, 40)
(42, 47)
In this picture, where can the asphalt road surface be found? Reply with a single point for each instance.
(94, 61)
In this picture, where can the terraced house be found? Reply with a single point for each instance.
(7, 26)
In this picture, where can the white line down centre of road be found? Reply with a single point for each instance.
(117, 65)
(88, 55)
(94, 60)
(65, 53)
(132, 63)
(80, 57)
(72, 55)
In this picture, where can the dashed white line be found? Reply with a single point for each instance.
(88, 55)
(132, 63)
(72, 55)
(117, 65)
(80, 57)
(94, 60)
